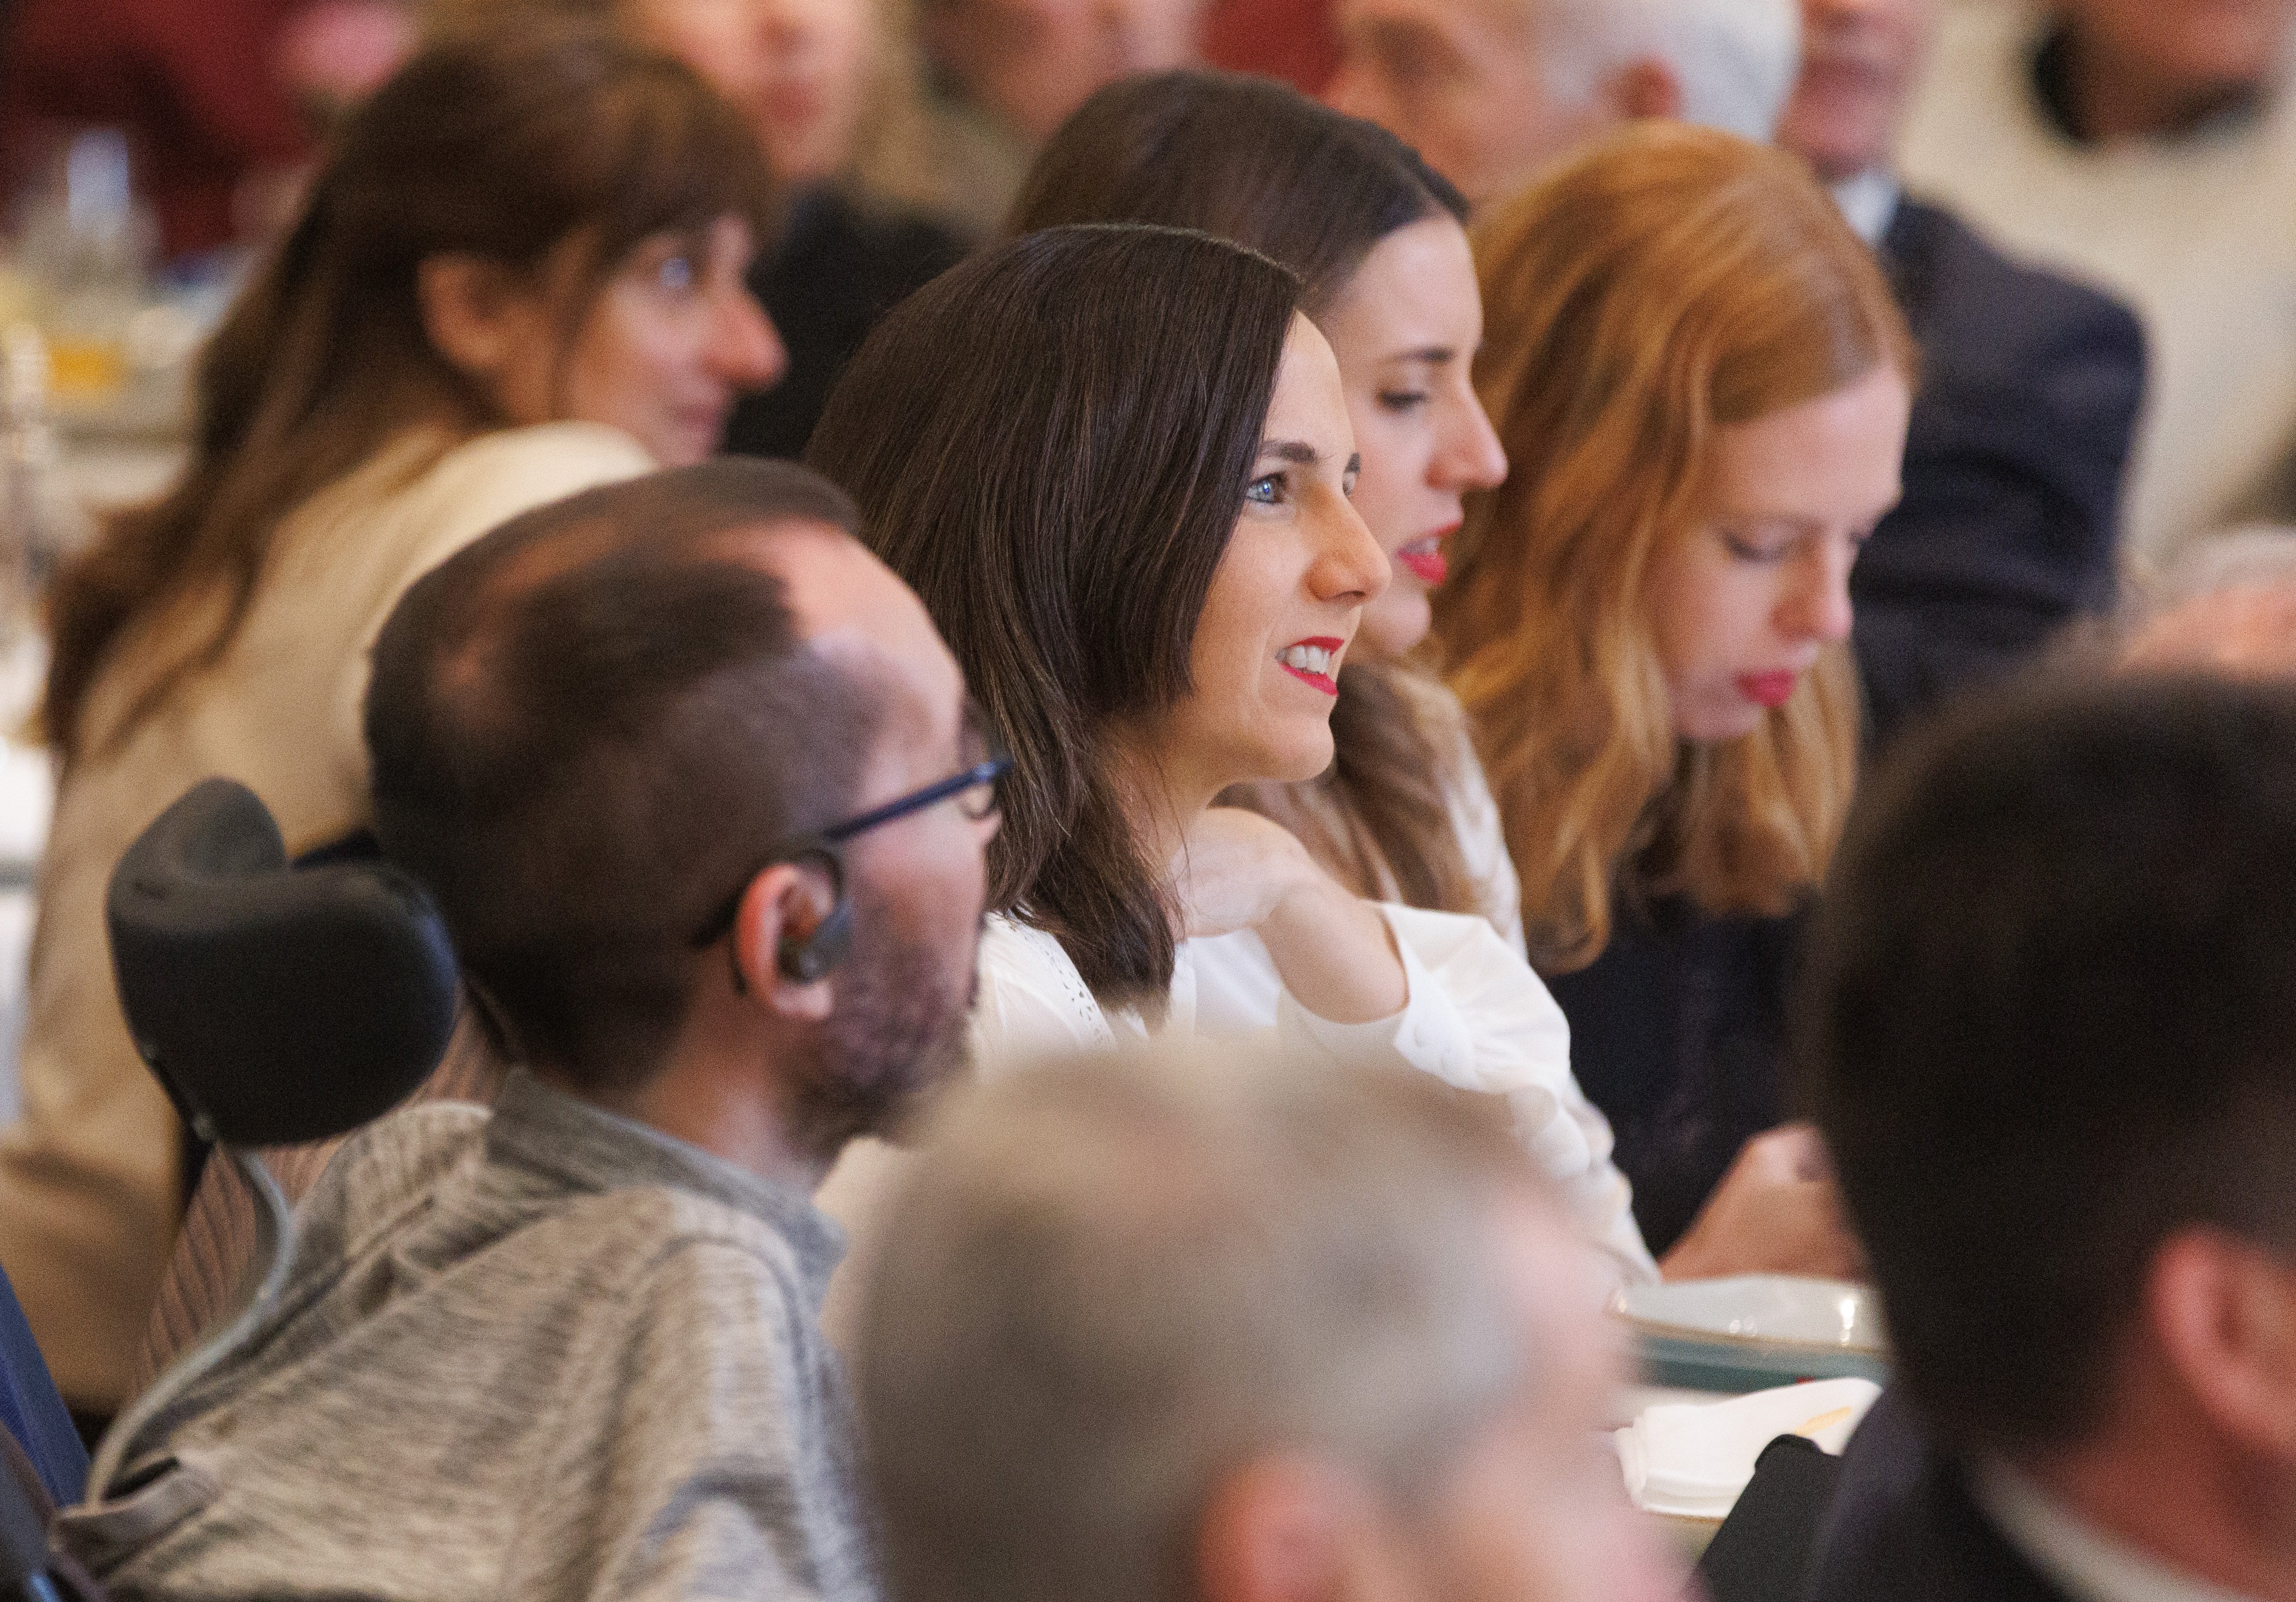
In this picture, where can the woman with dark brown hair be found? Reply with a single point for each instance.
(1377, 239)
(518, 274)
(1114, 462)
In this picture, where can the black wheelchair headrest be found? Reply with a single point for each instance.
(278, 1005)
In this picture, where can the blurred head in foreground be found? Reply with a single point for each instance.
(2051, 1044)
(1195, 1327)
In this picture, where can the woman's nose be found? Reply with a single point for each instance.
(1819, 608)
(744, 345)
(1470, 456)
(1350, 565)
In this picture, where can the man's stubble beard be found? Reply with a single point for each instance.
(898, 1034)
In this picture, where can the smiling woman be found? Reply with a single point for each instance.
(1402, 813)
(1114, 462)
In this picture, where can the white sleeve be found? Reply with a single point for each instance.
(1479, 1018)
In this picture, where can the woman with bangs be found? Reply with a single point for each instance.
(1703, 382)
(518, 274)
(1114, 461)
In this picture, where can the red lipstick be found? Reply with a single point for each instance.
(1768, 689)
(1326, 682)
(1424, 556)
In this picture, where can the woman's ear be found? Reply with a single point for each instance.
(470, 313)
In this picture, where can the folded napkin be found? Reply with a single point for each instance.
(1690, 1459)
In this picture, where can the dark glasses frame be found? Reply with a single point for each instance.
(820, 845)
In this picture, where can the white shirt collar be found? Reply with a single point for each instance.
(2083, 1561)
(1870, 202)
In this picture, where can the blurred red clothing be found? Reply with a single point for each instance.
(1290, 39)
(194, 83)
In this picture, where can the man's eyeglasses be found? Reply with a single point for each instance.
(972, 788)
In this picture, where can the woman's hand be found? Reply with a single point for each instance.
(1236, 870)
(1776, 1212)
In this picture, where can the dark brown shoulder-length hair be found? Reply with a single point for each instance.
(1051, 444)
(503, 144)
(1258, 162)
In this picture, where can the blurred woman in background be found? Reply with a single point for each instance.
(1701, 380)
(1377, 240)
(832, 90)
(418, 360)
(1114, 462)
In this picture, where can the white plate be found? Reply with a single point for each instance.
(1774, 1311)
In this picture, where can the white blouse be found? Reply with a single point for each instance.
(1477, 1017)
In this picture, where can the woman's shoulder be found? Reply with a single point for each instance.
(416, 504)
(541, 457)
(1031, 1001)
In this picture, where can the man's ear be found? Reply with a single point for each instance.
(1286, 1529)
(786, 904)
(467, 309)
(2224, 1309)
(1646, 86)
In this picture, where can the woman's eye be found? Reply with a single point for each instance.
(1267, 491)
(1752, 550)
(678, 273)
(1402, 400)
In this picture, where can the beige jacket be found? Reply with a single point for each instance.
(89, 1192)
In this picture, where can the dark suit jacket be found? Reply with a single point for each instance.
(2029, 389)
(1902, 1527)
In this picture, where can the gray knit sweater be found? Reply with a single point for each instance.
(543, 1355)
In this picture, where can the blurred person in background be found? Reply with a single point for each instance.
(1294, 40)
(1701, 380)
(1009, 71)
(2228, 604)
(1124, 1343)
(832, 89)
(1114, 460)
(2048, 1042)
(2009, 527)
(2148, 147)
(1491, 91)
(415, 362)
(222, 103)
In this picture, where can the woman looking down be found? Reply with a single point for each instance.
(1701, 380)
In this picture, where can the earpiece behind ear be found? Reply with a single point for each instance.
(808, 961)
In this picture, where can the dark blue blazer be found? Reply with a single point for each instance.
(2029, 390)
(1902, 1526)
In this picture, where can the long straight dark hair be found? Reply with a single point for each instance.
(1051, 443)
(502, 144)
(1261, 163)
